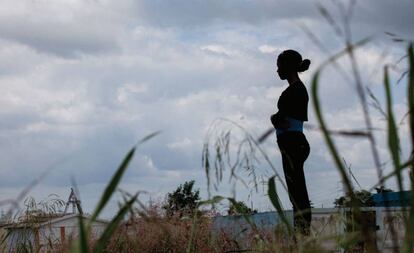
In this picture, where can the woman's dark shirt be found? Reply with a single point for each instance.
(293, 102)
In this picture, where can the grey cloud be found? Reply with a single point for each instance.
(88, 155)
(15, 120)
(60, 40)
(62, 29)
(387, 16)
(196, 13)
(372, 16)
(369, 16)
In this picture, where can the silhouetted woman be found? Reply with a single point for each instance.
(288, 122)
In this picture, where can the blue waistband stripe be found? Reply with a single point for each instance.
(295, 125)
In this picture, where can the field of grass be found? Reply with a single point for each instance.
(136, 228)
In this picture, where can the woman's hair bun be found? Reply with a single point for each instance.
(304, 65)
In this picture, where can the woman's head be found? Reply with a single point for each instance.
(289, 63)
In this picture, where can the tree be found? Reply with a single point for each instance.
(183, 201)
(363, 197)
(240, 208)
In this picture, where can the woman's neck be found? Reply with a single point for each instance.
(293, 79)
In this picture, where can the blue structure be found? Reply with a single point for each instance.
(392, 199)
(237, 226)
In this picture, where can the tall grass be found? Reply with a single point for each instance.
(409, 241)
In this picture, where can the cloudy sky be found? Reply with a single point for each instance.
(82, 80)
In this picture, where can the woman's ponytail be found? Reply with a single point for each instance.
(304, 65)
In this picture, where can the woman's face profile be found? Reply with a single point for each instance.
(281, 71)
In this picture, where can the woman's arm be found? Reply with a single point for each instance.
(279, 121)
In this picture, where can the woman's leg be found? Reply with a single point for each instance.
(295, 150)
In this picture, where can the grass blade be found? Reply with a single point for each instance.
(190, 245)
(111, 187)
(106, 235)
(116, 178)
(148, 137)
(274, 198)
(393, 139)
(392, 174)
(212, 201)
(217, 199)
(409, 242)
(265, 135)
(325, 132)
(372, 247)
(394, 147)
(411, 99)
(409, 231)
(83, 237)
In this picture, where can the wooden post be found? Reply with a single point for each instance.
(62, 235)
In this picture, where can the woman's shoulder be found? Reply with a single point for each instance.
(296, 87)
(298, 84)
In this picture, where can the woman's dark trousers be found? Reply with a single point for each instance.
(295, 150)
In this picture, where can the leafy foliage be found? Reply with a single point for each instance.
(363, 197)
(183, 201)
(241, 208)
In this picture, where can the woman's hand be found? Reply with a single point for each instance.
(278, 122)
